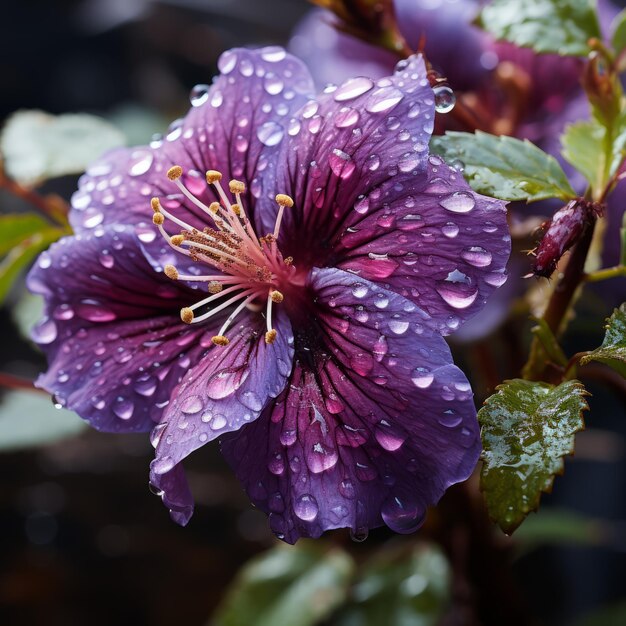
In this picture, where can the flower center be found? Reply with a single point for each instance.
(251, 268)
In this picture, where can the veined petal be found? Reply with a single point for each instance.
(374, 424)
(228, 388)
(235, 126)
(432, 240)
(111, 330)
(348, 142)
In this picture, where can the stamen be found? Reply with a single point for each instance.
(215, 287)
(221, 307)
(177, 240)
(276, 296)
(236, 186)
(175, 172)
(171, 272)
(186, 314)
(220, 340)
(155, 203)
(213, 176)
(284, 201)
(270, 336)
(234, 314)
(158, 219)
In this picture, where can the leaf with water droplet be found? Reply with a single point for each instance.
(37, 146)
(613, 348)
(527, 428)
(531, 24)
(505, 167)
(299, 586)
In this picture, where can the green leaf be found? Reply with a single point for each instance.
(408, 585)
(27, 311)
(622, 232)
(22, 255)
(37, 146)
(527, 427)
(299, 586)
(504, 167)
(16, 227)
(561, 26)
(613, 348)
(28, 418)
(584, 148)
(618, 28)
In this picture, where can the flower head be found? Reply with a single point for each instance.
(296, 312)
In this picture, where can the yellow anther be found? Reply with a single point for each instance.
(288, 260)
(235, 209)
(276, 296)
(213, 176)
(186, 314)
(220, 340)
(177, 240)
(155, 204)
(158, 219)
(171, 272)
(284, 200)
(214, 207)
(215, 287)
(236, 186)
(175, 172)
(270, 336)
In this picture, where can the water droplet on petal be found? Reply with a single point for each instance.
(162, 465)
(408, 162)
(458, 202)
(94, 311)
(359, 290)
(476, 256)
(341, 164)
(123, 408)
(450, 418)
(306, 508)
(227, 61)
(384, 99)
(402, 515)
(362, 205)
(346, 117)
(372, 162)
(270, 134)
(359, 534)
(457, 294)
(273, 84)
(450, 230)
(199, 94)
(192, 405)
(422, 377)
(444, 99)
(388, 437)
(273, 54)
(353, 88)
(496, 279)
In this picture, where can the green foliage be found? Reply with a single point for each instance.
(561, 26)
(28, 419)
(14, 228)
(527, 427)
(618, 28)
(36, 146)
(584, 148)
(613, 348)
(400, 587)
(299, 586)
(504, 167)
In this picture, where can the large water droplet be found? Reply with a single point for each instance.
(341, 163)
(496, 279)
(359, 534)
(384, 99)
(476, 256)
(251, 400)
(227, 61)
(422, 377)
(444, 99)
(94, 311)
(306, 508)
(458, 202)
(199, 94)
(273, 84)
(270, 133)
(457, 294)
(45, 331)
(353, 88)
(146, 385)
(388, 437)
(346, 117)
(273, 54)
(192, 405)
(402, 515)
(225, 382)
(408, 162)
(359, 290)
(123, 408)
(450, 230)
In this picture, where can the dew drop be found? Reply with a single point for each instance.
(444, 99)
(346, 117)
(192, 405)
(457, 294)
(450, 418)
(270, 134)
(251, 400)
(388, 437)
(476, 256)
(359, 290)
(218, 422)
(45, 332)
(91, 217)
(372, 162)
(123, 408)
(341, 164)
(227, 61)
(146, 385)
(63, 312)
(384, 99)
(362, 205)
(353, 88)
(422, 377)
(162, 465)
(294, 127)
(199, 94)
(273, 54)
(450, 230)
(273, 84)
(306, 508)
(94, 311)
(458, 202)
(106, 260)
(408, 162)
(359, 534)
(398, 326)
(402, 515)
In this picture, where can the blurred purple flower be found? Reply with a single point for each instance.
(317, 357)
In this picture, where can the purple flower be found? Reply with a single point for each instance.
(317, 355)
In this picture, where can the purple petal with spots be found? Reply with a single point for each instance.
(228, 388)
(431, 239)
(374, 425)
(111, 330)
(344, 145)
(236, 126)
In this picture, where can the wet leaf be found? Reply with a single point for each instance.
(527, 428)
(613, 348)
(504, 167)
(561, 26)
(16, 227)
(28, 418)
(405, 586)
(299, 586)
(37, 146)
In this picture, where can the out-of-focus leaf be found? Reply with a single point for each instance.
(608, 616)
(137, 123)
(20, 257)
(622, 232)
(16, 227)
(298, 586)
(618, 28)
(408, 586)
(613, 348)
(37, 146)
(560, 26)
(505, 167)
(26, 312)
(527, 428)
(28, 419)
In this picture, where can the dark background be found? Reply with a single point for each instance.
(82, 541)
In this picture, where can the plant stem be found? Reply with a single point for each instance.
(16, 382)
(605, 274)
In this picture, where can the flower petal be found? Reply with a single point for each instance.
(228, 388)
(236, 126)
(434, 241)
(374, 424)
(111, 330)
(347, 143)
